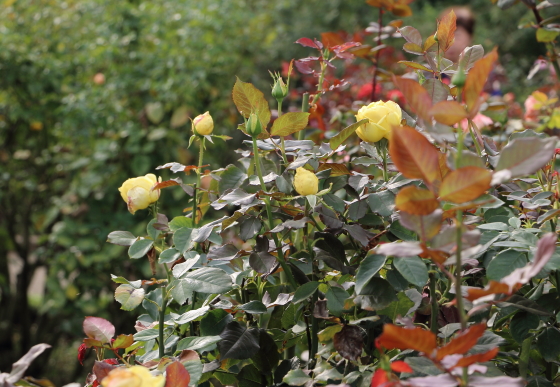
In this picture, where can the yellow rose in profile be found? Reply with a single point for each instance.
(382, 117)
(203, 124)
(137, 192)
(305, 182)
(135, 376)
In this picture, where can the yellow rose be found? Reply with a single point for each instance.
(305, 182)
(382, 117)
(137, 192)
(135, 376)
(203, 124)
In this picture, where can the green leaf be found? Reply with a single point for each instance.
(253, 307)
(546, 36)
(180, 116)
(526, 155)
(289, 123)
(250, 376)
(382, 203)
(377, 294)
(249, 227)
(413, 269)
(369, 267)
(182, 238)
(195, 368)
(146, 334)
(208, 280)
(122, 238)
(152, 232)
(521, 323)
(397, 308)
(196, 343)
(214, 322)
(296, 378)
(232, 177)
(548, 343)
(248, 99)
(180, 291)
(335, 142)
(154, 111)
(238, 342)
(128, 296)
(179, 222)
(289, 319)
(191, 315)
(305, 291)
(268, 357)
(169, 256)
(504, 263)
(335, 300)
(140, 248)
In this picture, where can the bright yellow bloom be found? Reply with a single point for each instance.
(203, 124)
(382, 117)
(137, 192)
(305, 182)
(135, 376)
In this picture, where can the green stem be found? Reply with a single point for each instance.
(281, 259)
(282, 146)
(197, 188)
(314, 321)
(162, 322)
(384, 155)
(304, 108)
(434, 304)
(321, 80)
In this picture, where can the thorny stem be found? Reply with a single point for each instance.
(377, 54)
(281, 259)
(197, 188)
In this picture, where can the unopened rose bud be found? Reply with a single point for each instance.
(305, 182)
(254, 126)
(279, 90)
(203, 124)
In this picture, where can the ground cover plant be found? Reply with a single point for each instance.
(413, 247)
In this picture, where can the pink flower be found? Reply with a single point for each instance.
(480, 120)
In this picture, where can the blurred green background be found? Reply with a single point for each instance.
(93, 92)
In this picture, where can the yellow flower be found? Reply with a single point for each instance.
(203, 124)
(135, 376)
(382, 117)
(137, 192)
(305, 182)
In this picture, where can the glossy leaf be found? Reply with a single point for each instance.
(465, 184)
(403, 338)
(128, 296)
(504, 263)
(305, 291)
(415, 65)
(411, 35)
(208, 280)
(238, 342)
(140, 248)
(338, 139)
(369, 267)
(414, 156)
(416, 201)
(289, 123)
(446, 30)
(413, 269)
(476, 79)
(526, 155)
(448, 112)
(176, 375)
(248, 99)
(98, 328)
(122, 238)
(416, 96)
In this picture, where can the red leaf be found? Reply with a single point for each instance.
(465, 184)
(414, 156)
(102, 369)
(99, 329)
(164, 184)
(494, 287)
(402, 338)
(379, 378)
(400, 366)
(306, 42)
(416, 96)
(330, 39)
(416, 201)
(462, 342)
(475, 81)
(82, 353)
(448, 112)
(177, 375)
(478, 358)
(446, 30)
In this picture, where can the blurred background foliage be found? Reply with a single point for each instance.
(93, 92)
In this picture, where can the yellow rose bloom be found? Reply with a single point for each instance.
(382, 117)
(203, 124)
(135, 376)
(305, 182)
(137, 192)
